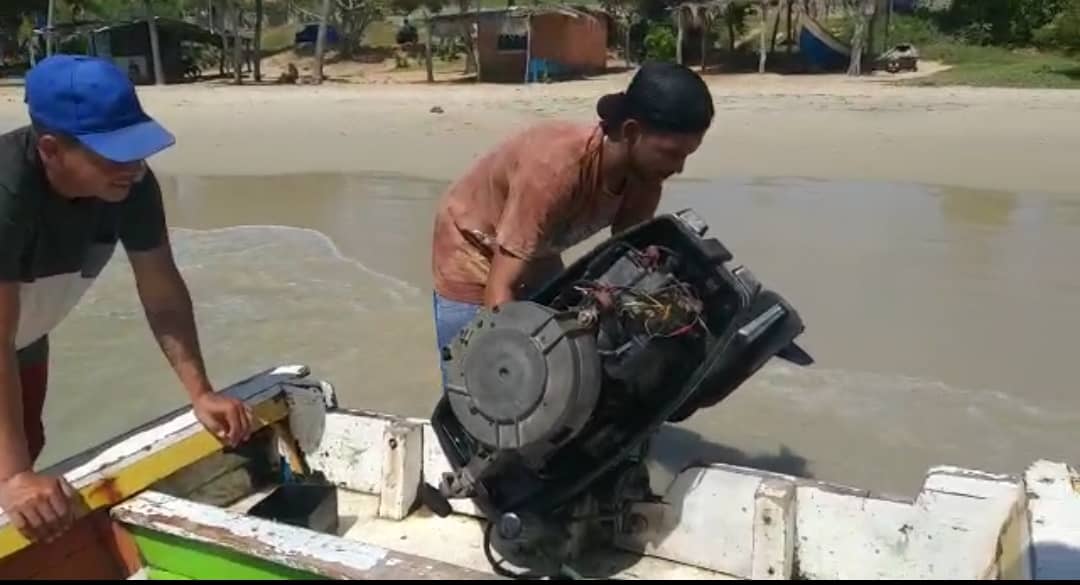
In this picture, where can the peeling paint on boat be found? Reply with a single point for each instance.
(297, 548)
(98, 477)
(144, 441)
(278, 542)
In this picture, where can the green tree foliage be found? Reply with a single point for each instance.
(1063, 32)
(734, 19)
(660, 43)
(1000, 22)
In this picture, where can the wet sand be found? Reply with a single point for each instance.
(825, 127)
(937, 287)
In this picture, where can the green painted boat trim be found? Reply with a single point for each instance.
(188, 559)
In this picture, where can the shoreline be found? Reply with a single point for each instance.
(809, 127)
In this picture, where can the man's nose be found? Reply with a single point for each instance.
(132, 169)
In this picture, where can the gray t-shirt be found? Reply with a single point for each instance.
(55, 246)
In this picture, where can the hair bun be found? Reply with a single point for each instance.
(612, 107)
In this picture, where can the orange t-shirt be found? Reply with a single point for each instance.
(535, 195)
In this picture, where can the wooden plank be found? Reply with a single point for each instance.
(774, 530)
(82, 550)
(297, 548)
(403, 452)
(351, 452)
(691, 526)
(221, 479)
(153, 453)
(953, 530)
(227, 477)
(90, 563)
(186, 559)
(121, 545)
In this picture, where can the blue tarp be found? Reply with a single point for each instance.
(310, 33)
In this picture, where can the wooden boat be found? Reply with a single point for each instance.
(324, 492)
(820, 48)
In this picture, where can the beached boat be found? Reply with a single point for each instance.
(325, 492)
(820, 48)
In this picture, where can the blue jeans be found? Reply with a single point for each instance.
(450, 318)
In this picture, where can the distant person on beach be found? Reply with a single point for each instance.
(72, 185)
(500, 228)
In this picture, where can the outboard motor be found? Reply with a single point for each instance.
(550, 401)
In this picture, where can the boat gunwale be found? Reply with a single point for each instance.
(117, 469)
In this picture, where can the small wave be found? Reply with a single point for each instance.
(862, 391)
(399, 290)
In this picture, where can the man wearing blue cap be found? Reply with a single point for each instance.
(73, 184)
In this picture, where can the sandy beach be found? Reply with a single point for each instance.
(927, 237)
(827, 127)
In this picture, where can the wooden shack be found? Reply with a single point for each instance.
(128, 45)
(522, 44)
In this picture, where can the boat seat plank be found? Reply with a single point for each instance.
(297, 548)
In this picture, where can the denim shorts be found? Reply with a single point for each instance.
(450, 318)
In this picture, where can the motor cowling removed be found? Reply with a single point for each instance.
(550, 401)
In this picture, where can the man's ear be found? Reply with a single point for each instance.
(49, 146)
(631, 131)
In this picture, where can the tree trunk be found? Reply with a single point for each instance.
(471, 64)
(762, 48)
(238, 63)
(155, 47)
(320, 40)
(704, 40)
(49, 28)
(258, 40)
(679, 36)
(428, 64)
(888, 23)
(790, 32)
(858, 42)
(476, 42)
(730, 30)
(626, 45)
(775, 28)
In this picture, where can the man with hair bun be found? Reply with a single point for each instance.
(500, 228)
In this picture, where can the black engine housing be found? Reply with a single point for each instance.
(552, 398)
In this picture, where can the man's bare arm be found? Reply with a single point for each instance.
(14, 455)
(38, 506)
(167, 304)
(506, 277)
(512, 278)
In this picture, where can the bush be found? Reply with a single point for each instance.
(977, 33)
(1064, 31)
(1000, 22)
(660, 43)
(917, 31)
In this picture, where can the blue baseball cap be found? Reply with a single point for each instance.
(93, 101)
